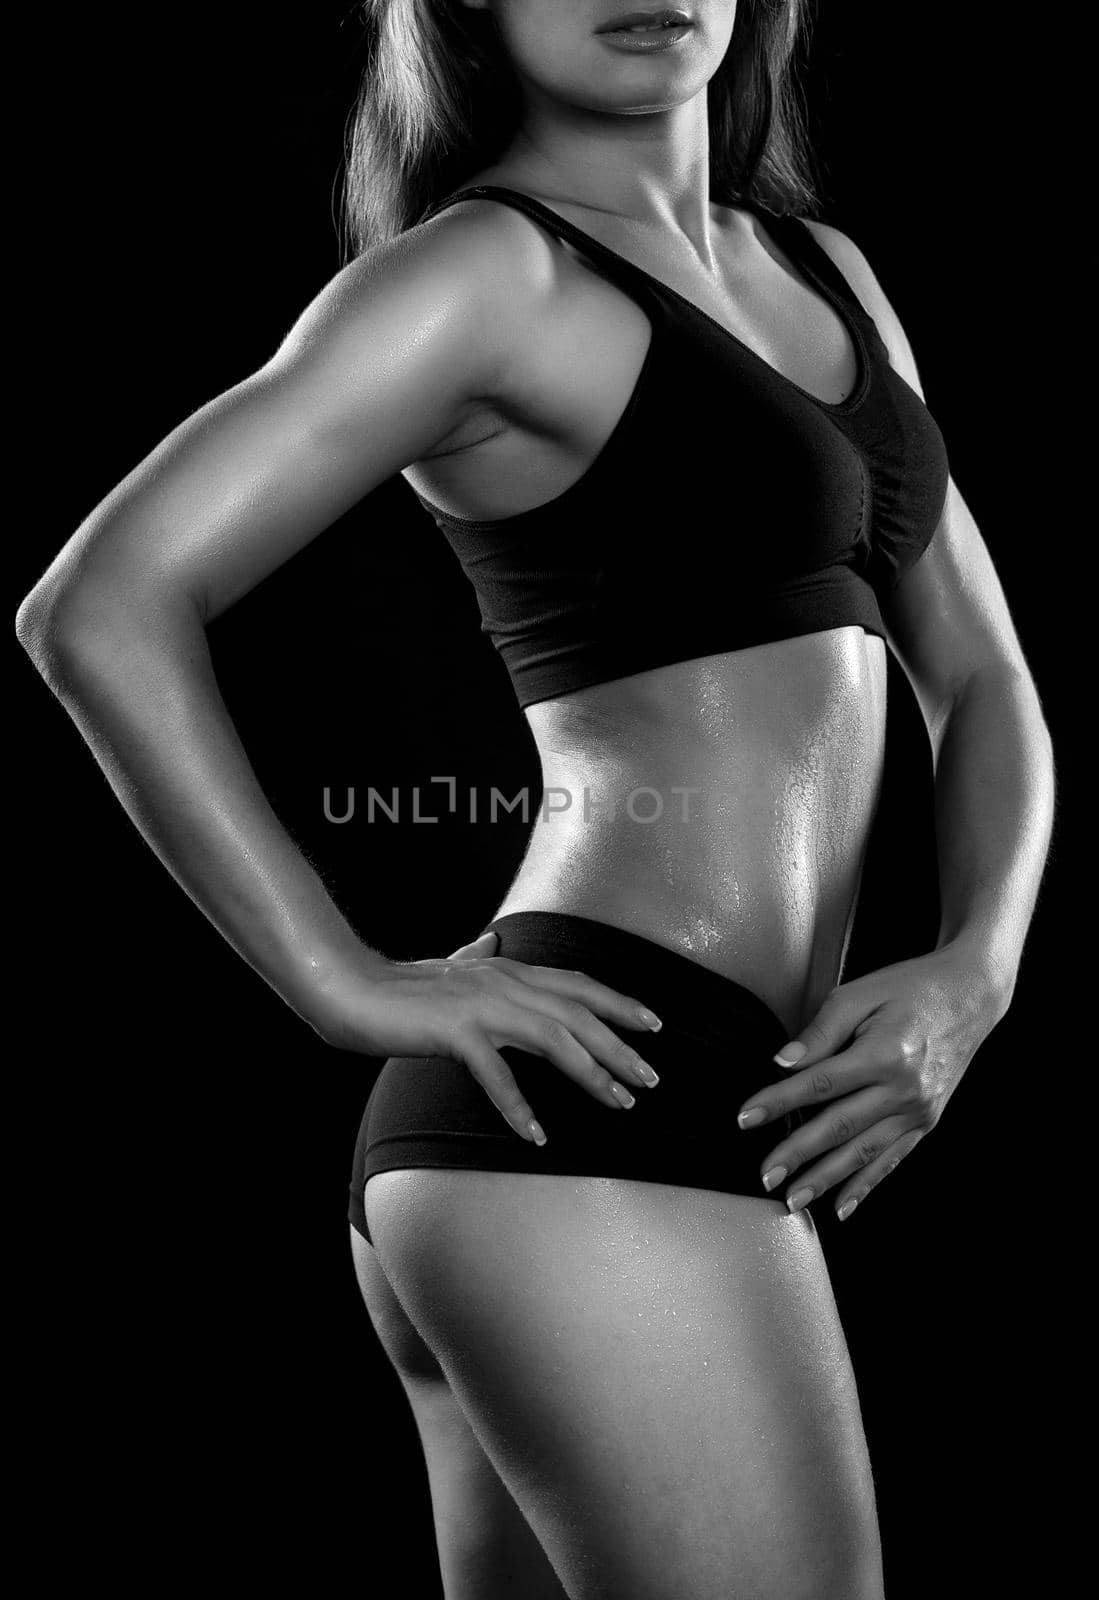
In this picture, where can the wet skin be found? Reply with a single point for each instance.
(754, 872)
(719, 806)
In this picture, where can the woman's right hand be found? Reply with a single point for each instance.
(470, 1004)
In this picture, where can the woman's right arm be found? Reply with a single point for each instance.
(376, 373)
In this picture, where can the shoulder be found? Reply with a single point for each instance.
(461, 282)
(483, 245)
(852, 262)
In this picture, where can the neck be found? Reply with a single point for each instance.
(651, 170)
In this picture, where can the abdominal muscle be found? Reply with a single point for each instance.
(720, 807)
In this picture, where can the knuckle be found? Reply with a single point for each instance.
(909, 1050)
(832, 1000)
(505, 1093)
(866, 1150)
(463, 1035)
(902, 1148)
(553, 1034)
(843, 1129)
(924, 1112)
(909, 1090)
(622, 1053)
(822, 1084)
(575, 1014)
(923, 1106)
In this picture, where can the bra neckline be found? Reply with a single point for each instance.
(585, 240)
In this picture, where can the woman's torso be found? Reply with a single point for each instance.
(720, 805)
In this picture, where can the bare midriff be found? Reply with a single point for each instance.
(720, 807)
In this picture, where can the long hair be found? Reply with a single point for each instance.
(439, 100)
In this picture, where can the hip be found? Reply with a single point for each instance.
(714, 1050)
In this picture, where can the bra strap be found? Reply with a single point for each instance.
(802, 244)
(790, 231)
(617, 266)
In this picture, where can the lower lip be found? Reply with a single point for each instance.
(647, 39)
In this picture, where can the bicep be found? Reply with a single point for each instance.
(375, 373)
(948, 617)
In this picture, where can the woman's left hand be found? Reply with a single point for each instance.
(910, 1030)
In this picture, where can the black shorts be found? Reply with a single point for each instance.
(712, 1053)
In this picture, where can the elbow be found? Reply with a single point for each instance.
(91, 624)
(57, 625)
(28, 623)
(1032, 712)
(1009, 692)
(43, 625)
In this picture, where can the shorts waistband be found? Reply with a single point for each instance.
(696, 999)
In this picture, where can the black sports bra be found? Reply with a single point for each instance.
(728, 507)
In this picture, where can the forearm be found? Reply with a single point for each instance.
(139, 683)
(994, 809)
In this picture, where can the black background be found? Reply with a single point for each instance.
(214, 1396)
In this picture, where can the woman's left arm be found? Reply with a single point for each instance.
(949, 626)
(887, 1050)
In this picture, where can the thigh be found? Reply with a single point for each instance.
(658, 1375)
(486, 1549)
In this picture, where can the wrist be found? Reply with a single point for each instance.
(991, 972)
(325, 979)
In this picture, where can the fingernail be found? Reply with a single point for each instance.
(846, 1209)
(789, 1054)
(623, 1095)
(748, 1119)
(536, 1130)
(772, 1176)
(650, 1020)
(800, 1198)
(647, 1075)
